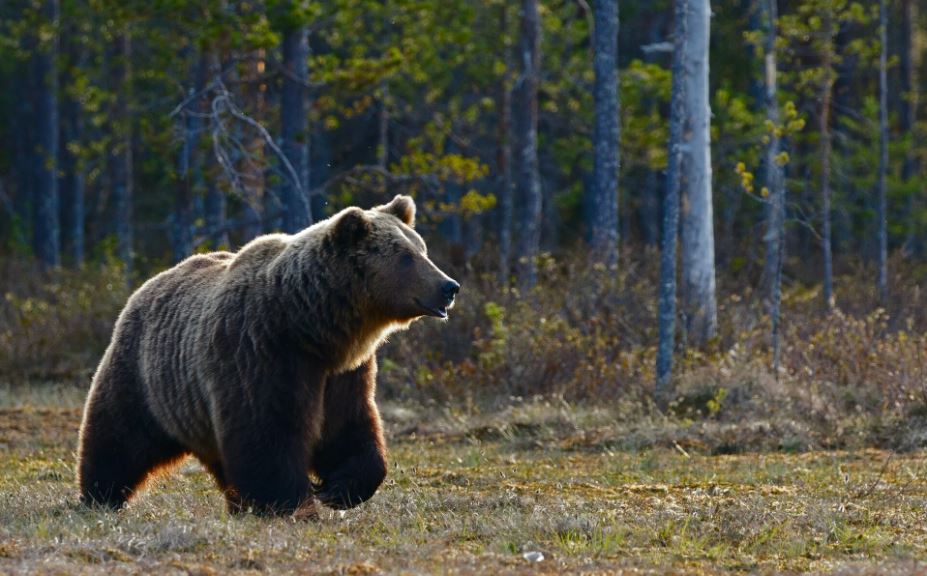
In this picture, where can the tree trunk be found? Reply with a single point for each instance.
(909, 101)
(504, 161)
(529, 180)
(214, 205)
(71, 181)
(775, 184)
(451, 226)
(321, 163)
(46, 228)
(654, 184)
(268, 187)
(121, 153)
(188, 168)
(22, 128)
(550, 218)
(882, 283)
(260, 197)
(606, 134)
(698, 245)
(215, 208)
(826, 147)
(182, 219)
(383, 125)
(667, 310)
(650, 208)
(295, 130)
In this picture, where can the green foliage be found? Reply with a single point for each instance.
(435, 70)
(791, 126)
(645, 92)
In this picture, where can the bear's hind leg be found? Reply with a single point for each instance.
(232, 499)
(120, 446)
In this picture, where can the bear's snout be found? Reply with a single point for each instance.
(440, 299)
(449, 290)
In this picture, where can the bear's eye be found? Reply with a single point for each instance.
(406, 260)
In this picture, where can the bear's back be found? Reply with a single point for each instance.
(180, 311)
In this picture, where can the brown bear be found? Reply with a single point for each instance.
(262, 365)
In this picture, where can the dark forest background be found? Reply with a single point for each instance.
(730, 222)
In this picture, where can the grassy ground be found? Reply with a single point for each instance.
(471, 494)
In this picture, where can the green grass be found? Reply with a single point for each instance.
(473, 493)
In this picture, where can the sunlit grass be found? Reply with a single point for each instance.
(474, 494)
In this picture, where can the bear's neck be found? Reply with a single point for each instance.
(324, 305)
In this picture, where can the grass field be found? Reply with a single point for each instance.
(477, 494)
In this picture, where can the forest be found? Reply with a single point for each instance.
(686, 231)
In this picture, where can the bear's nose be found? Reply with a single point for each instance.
(450, 290)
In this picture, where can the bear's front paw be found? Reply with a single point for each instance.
(342, 494)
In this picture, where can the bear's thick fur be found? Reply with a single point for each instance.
(262, 365)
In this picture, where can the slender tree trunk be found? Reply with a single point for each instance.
(667, 311)
(910, 64)
(295, 130)
(883, 152)
(775, 228)
(260, 196)
(71, 180)
(654, 184)
(733, 196)
(215, 208)
(321, 163)
(22, 127)
(826, 149)
(73, 189)
(195, 133)
(269, 190)
(650, 208)
(529, 177)
(606, 133)
(504, 160)
(754, 26)
(121, 154)
(182, 219)
(698, 245)
(550, 218)
(383, 125)
(46, 227)
(214, 205)
(189, 168)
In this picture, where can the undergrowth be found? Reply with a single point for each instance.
(856, 376)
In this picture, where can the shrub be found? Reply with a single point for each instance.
(584, 334)
(56, 324)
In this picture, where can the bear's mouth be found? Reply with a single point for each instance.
(436, 312)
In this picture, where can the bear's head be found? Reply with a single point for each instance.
(400, 281)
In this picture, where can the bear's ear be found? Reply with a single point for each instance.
(351, 226)
(402, 207)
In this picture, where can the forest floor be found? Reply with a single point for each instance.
(493, 493)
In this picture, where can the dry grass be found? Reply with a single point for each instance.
(855, 378)
(471, 493)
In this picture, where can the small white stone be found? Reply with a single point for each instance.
(533, 556)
